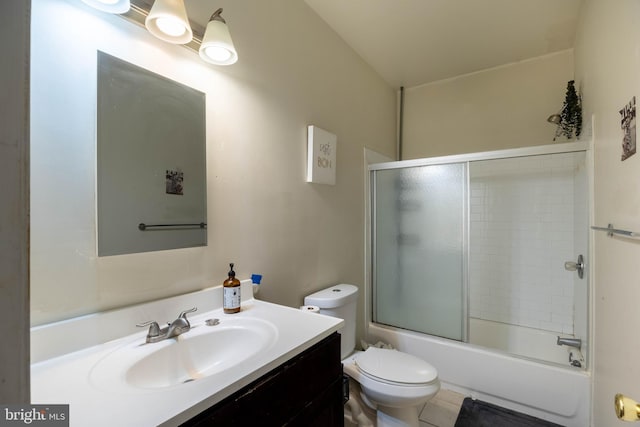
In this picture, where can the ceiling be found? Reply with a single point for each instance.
(413, 42)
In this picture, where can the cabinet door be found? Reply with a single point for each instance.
(327, 409)
(304, 391)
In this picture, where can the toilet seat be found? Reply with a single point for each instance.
(381, 389)
(395, 367)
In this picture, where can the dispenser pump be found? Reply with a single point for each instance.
(231, 293)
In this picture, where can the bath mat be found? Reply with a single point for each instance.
(475, 413)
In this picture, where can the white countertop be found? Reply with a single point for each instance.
(66, 378)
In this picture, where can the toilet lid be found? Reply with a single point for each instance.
(395, 366)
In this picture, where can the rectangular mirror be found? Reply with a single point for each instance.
(151, 165)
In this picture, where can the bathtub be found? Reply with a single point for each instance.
(555, 393)
(520, 340)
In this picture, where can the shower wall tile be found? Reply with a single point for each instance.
(521, 233)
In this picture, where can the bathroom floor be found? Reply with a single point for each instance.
(442, 410)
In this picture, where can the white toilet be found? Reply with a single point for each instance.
(394, 384)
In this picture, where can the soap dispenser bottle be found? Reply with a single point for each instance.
(231, 293)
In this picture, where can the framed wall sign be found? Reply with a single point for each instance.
(628, 126)
(321, 156)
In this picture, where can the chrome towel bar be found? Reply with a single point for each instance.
(611, 231)
(144, 227)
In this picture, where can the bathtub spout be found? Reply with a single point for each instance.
(571, 342)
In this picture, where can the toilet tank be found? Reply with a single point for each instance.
(339, 301)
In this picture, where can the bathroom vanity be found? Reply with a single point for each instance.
(267, 365)
(305, 391)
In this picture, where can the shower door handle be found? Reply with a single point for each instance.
(576, 266)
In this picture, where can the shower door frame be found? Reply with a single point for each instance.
(570, 147)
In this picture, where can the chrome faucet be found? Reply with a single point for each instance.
(173, 329)
(571, 342)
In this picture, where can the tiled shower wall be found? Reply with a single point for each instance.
(521, 233)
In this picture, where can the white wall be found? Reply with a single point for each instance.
(504, 107)
(608, 73)
(521, 233)
(292, 71)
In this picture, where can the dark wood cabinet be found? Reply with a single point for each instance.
(304, 391)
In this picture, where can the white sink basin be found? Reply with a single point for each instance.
(94, 363)
(202, 352)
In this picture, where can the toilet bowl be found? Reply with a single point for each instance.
(394, 384)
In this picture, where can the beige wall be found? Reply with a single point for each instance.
(608, 71)
(504, 107)
(14, 213)
(292, 71)
(303, 236)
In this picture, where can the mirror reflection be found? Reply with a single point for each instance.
(151, 166)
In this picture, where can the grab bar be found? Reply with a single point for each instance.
(611, 231)
(144, 227)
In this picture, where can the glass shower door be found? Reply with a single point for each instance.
(419, 257)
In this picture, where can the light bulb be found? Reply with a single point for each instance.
(218, 54)
(170, 26)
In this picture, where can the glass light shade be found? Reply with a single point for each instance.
(168, 21)
(217, 47)
(110, 6)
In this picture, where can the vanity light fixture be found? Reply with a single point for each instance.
(110, 6)
(216, 46)
(168, 21)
